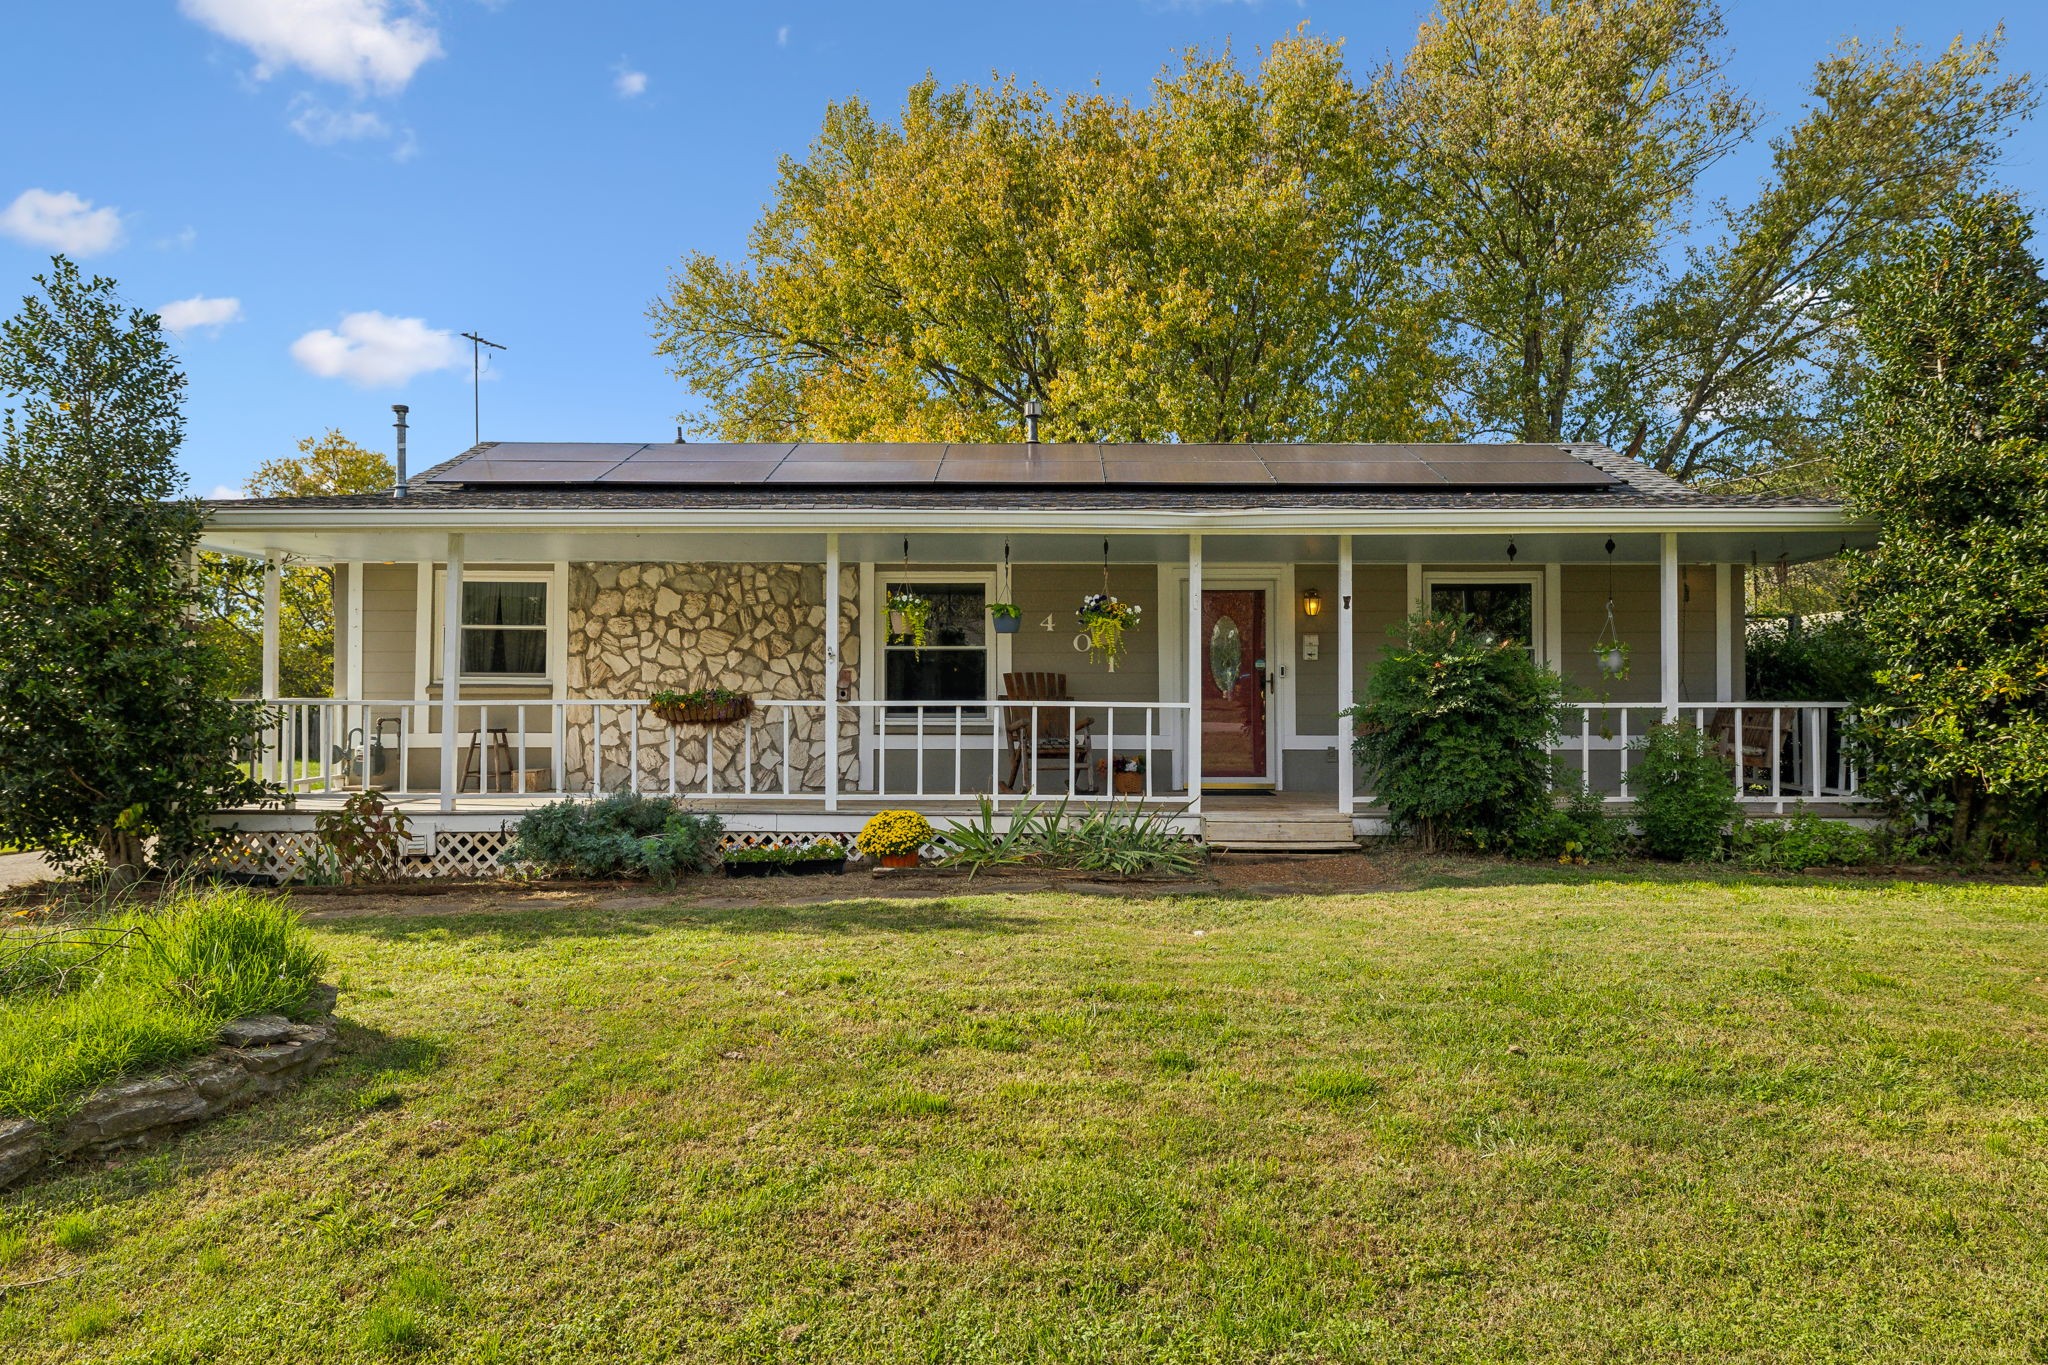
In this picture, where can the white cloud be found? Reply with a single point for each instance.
(782, 35)
(357, 43)
(226, 492)
(323, 127)
(200, 313)
(61, 221)
(628, 83)
(370, 349)
(180, 240)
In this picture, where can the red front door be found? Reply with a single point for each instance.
(1234, 676)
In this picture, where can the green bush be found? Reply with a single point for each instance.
(1576, 830)
(621, 835)
(86, 1005)
(1805, 840)
(821, 851)
(1681, 786)
(1453, 729)
(1126, 841)
(1826, 658)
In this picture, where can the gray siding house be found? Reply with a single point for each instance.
(504, 617)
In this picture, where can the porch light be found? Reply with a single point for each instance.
(1311, 602)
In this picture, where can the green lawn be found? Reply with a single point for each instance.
(1506, 1115)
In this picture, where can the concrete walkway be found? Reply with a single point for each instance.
(17, 869)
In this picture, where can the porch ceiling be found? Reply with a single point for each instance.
(1534, 544)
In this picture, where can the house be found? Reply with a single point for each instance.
(504, 617)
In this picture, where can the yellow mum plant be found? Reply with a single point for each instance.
(894, 832)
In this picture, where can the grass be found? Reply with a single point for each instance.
(1538, 1116)
(83, 1005)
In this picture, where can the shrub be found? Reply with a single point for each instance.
(1453, 729)
(1579, 830)
(1681, 788)
(1805, 840)
(621, 835)
(1826, 658)
(894, 833)
(366, 837)
(1125, 840)
(84, 1006)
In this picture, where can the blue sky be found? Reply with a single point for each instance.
(332, 189)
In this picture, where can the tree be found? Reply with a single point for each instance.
(1215, 266)
(1948, 451)
(114, 723)
(326, 466)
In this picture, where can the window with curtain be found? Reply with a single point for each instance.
(504, 629)
(1508, 610)
(953, 665)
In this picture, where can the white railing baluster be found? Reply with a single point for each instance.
(1624, 753)
(784, 711)
(747, 754)
(1585, 751)
(920, 748)
(1777, 754)
(670, 744)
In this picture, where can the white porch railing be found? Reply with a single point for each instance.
(1776, 751)
(587, 746)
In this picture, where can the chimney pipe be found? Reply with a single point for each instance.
(1032, 412)
(398, 489)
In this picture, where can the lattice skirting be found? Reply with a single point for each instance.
(288, 855)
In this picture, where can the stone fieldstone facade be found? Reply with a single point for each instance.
(758, 629)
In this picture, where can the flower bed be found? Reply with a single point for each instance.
(826, 857)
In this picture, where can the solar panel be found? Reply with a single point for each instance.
(1416, 467)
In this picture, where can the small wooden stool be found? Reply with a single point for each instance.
(496, 761)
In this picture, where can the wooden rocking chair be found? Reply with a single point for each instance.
(1040, 733)
(1752, 750)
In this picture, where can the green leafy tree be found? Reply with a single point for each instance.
(1453, 729)
(114, 727)
(1949, 453)
(1216, 265)
(326, 465)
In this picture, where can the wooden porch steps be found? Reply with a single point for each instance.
(1273, 825)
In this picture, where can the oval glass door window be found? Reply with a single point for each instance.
(1226, 654)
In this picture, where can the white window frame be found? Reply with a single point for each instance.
(878, 614)
(556, 617)
(1535, 578)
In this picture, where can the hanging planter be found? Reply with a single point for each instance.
(1105, 620)
(1610, 652)
(704, 706)
(1006, 616)
(910, 618)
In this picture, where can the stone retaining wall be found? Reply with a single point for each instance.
(258, 1056)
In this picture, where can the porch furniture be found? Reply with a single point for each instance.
(490, 749)
(1751, 751)
(1040, 733)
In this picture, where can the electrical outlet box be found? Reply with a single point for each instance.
(1311, 646)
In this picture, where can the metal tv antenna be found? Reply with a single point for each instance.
(476, 387)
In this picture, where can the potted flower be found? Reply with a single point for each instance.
(910, 617)
(895, 837)
(1008, 617)
(1612, 658)
(1105, 619)
(701, 706)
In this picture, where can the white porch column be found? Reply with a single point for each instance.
(1667, 623)
(831, 670)
(273, 596)
(352, 634)
(1345, 685)
(1194, 754)
(451, 673)
(1724, 633)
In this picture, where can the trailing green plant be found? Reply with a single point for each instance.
(624, 835)
(1576, 830)
(1008, 611)
(1800, 841)
(365, 836)
(695, 697)
(86, 1004)
(1453, 729)
(916, 618)
(1681, 785)
(1106, 619)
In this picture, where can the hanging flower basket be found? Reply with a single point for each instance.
(1007, 616)
(705, 706)
(1105, 620)
(1612, 659)
(910, 618)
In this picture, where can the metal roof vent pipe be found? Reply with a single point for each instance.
(398, 489)
(1032, 412)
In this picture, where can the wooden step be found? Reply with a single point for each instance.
(1279, 830)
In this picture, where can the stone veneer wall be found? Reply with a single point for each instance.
(636, 628)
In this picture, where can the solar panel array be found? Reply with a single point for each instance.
(1417, 468)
